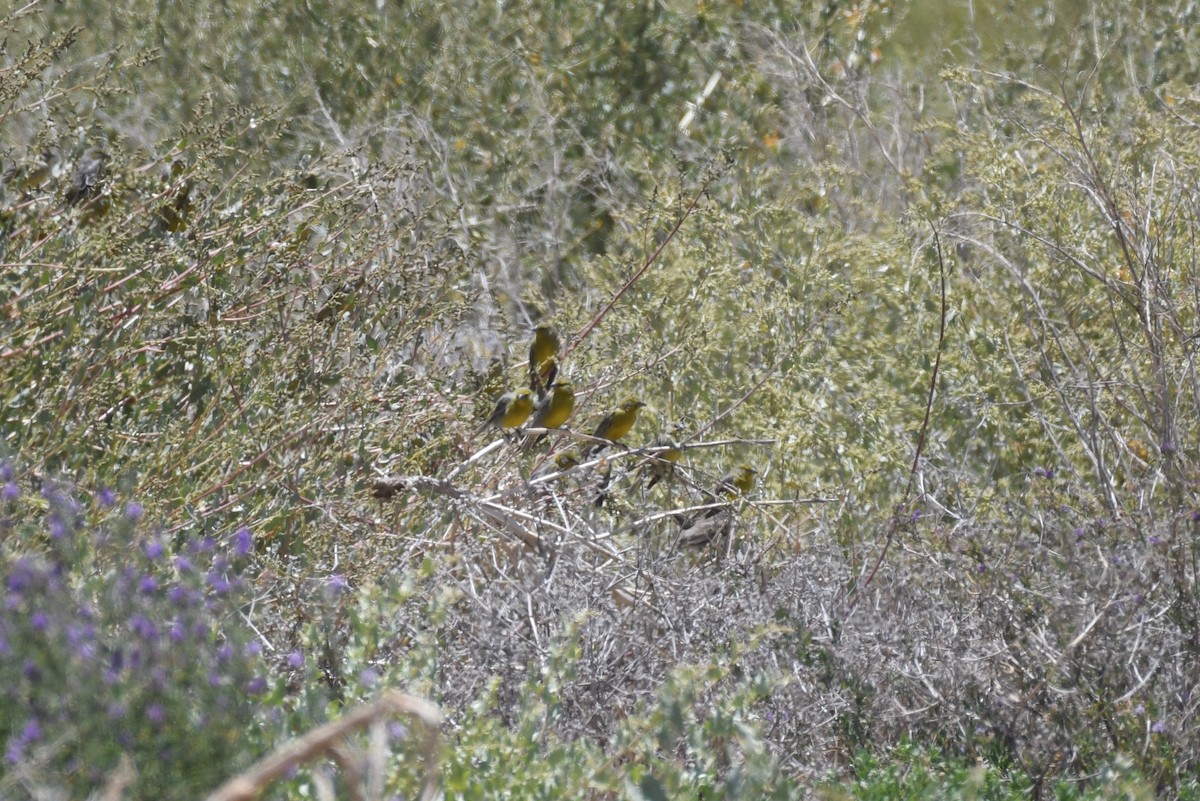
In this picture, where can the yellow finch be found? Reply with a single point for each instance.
(616, 423)
(546, 375)
(736, 482)
(544, 347)
(511, 410)
(553, 410)
(562, 461)
(661, 463)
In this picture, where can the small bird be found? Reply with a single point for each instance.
(735, 482)
(512, 409)
(547, 374)
(564, 460)
(553, 410)
(88, 178)
(616, 423)
(701, 529)
(661, 464)
(605, 473)
(544, 347)
(172, 215)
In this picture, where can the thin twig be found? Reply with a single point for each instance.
(894, 524)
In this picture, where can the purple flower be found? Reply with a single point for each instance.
(11, 491)
(336, 584)
(134, 510)
(155, 713)
(117, 710)
(243, 541)
(143, 627)
(78, 635)
(148, 584)
(256, 686)
(1167, 447)
(31, 733)
(6, 471)
(39, 621)
(22, 576)
(369, 677)
(203, 545)
(252, 648)
(295, 659)
(31, 671)
(177, 632)
(397, 730)
(224, 653)
(183, 564)
(106, 497)
(154, 550)
(219, 583)
(1159, 727)
(58, 527)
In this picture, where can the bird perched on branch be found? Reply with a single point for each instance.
(512, 409)
(172, 215)
(88, 179)
(553, 410)
(564, 460)
(735, 482)
(616, 423)
(661, 464)
(702, 529)
(543, 362)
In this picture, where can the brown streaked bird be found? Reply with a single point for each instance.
(701, 529)
(616, 423)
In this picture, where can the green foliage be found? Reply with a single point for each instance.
(914, 772)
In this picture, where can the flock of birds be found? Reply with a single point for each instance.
(548, 403)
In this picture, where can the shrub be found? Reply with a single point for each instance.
(117, 638)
